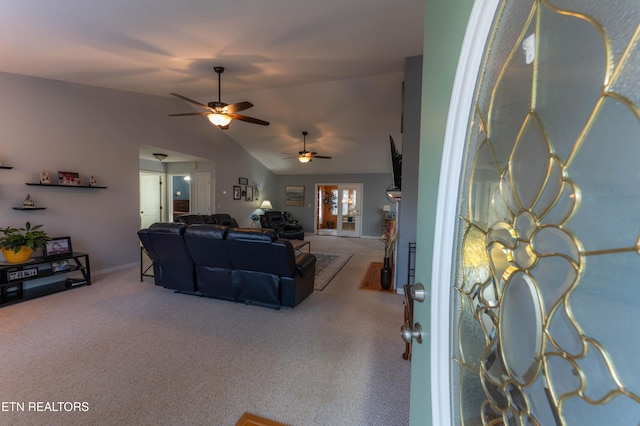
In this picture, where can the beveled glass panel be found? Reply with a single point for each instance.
(529, 164)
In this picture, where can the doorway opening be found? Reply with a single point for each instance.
(338, 209)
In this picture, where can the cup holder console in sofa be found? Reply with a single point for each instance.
(246, 265)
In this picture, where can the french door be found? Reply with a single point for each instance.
(544, 295)
(349, 206)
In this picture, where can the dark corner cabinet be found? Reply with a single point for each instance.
(39, 277)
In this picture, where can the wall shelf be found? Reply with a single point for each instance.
(28, 208)
(6, 167)
(65, 186)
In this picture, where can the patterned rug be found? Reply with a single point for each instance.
(327, 266)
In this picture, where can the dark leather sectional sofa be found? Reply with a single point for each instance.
(244, 265)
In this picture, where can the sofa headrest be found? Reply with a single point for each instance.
(252, 234)
(168, 228)
(207, 230)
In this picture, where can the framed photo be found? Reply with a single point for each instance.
(243, 181)
(58, 247)
(237, 192)
(45, 179)
(294, 195)
(93, 181)
(61, 265)
(249, 195)
(68, 178)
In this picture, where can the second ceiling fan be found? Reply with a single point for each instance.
(305, 156)
(220, 113)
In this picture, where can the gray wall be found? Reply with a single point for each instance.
(408, 211)
(98, 132)
(373, 189)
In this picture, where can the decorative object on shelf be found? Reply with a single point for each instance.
(266, 205)
(294, 195)
(243, 181)
(237, 192)
(254, 220)
(93, 181)
(45, 179)
(249, 194)
(68, 178)
(389, 239)
(62, 265)
(159, 156)
(18, 244)
(29, 203)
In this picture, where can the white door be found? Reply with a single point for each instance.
(349, 209)
(203, 193)
(150, 199)
(542, 287)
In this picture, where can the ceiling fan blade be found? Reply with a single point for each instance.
(240, 106)
(320, 156)
(189, 100)
(249, 119)
(189, 113)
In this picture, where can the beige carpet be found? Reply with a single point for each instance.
(327, 266)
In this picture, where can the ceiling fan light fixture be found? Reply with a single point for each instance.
(219, 119)
(304, 158)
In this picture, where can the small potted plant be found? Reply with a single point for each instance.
(254, 220)
(18, 244)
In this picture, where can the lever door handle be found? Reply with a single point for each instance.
(409, 333)
(417, 292)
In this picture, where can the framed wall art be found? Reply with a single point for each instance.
(237, 192)
(249, 194)
(294, 195)
(243, 181)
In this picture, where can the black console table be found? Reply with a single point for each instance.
(39, 276)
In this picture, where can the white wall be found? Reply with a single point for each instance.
(51, 125)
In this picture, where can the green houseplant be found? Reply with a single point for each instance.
(18, 244)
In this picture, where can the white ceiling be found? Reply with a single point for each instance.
(331, 67)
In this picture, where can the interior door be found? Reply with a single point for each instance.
(543, 296)
(349, 202)
(150, 199)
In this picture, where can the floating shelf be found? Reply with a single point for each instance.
(6, 167)
(28, 208)
(65, 186)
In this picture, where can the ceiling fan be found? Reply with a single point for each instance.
(305, 156)
(220, 113)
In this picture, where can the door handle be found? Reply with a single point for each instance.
(417, 292)
(409, 333)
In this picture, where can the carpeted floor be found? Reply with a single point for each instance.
(327, 266)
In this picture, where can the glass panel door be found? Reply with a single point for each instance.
(545, 289)
(349, 200)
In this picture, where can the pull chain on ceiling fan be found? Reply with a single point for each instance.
(218, 112)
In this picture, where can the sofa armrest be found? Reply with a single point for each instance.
(305, 263)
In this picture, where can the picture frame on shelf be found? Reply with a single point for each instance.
(237, 192)
(68, 178)
(93, 181)
(45, 179)
(294, 195)
(57, 247)
(61, 265)
(249, 195)
(243, 181)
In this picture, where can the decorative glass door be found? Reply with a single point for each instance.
(349, 200)
(546, 293)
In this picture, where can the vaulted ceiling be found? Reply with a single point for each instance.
(333, 68)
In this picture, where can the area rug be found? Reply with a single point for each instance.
(327, 266)
(371, 280)
(251, 420)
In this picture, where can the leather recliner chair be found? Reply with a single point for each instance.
(191, 219)
(224, 219)
(279, 221)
